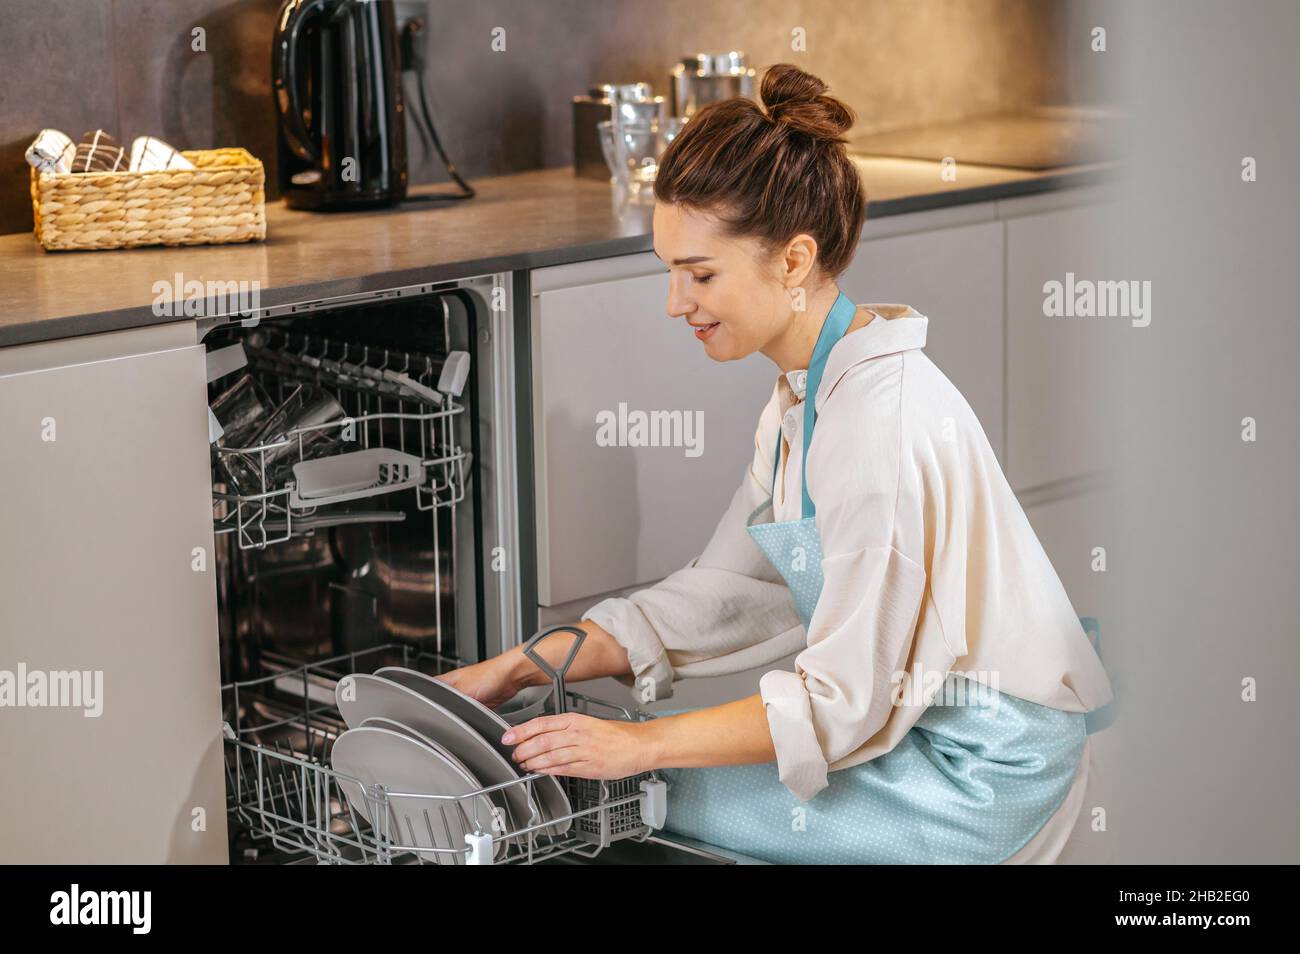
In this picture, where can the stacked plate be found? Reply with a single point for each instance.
(433, 749)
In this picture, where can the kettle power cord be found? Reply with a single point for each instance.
(413, 62)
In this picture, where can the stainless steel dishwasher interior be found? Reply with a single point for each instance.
(387, 566)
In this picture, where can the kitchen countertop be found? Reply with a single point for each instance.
(1047, 137)
(521, 221)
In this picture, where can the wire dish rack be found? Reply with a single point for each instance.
(403, 430)
(283, 794)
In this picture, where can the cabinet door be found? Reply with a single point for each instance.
(617, 513)
(106, 568)
(1070, 530)
(1055, 365)
(954, 277)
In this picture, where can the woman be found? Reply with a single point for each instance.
(935, 713)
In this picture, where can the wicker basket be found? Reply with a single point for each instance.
(220, 200)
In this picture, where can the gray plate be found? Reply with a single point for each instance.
(379, 756)
(526, 704)
(379, 722)
(379, 696)
(489, 725)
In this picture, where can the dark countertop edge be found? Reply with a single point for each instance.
(1046, 182)
(72, 326)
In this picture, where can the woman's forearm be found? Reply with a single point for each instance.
(735, 733)
(601, 655)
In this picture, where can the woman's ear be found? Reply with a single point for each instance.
(798, 259)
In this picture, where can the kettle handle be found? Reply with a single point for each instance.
(293, 16)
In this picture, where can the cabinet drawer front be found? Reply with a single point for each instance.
(611, 373)
(105, 494)
(1057, 372)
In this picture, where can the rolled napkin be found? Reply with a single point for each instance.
(51, 151)
(151, 155)
(99, 152)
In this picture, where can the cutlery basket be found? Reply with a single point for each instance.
(284, 798)
(219, 201)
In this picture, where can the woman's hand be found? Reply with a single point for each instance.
(581, 746)
(491, 682)
(496, 680)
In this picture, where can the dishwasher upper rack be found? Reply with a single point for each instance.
(281, 790)
(380, 415)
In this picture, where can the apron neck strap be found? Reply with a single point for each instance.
(833, 329)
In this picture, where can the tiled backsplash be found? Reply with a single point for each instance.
(129, 66)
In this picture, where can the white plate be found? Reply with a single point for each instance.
(489, 726)
(401, 763)
(380, 696)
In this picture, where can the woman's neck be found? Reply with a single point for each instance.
(792, 350)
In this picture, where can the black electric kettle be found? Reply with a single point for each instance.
(337, 78)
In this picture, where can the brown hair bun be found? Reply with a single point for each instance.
(799, 100)
(773, 171)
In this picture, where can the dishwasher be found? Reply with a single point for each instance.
(365, 495)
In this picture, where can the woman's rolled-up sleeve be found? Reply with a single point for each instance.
(727, 611)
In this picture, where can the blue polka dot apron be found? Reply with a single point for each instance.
(969, 783)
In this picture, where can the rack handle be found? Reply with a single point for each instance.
(557, 676)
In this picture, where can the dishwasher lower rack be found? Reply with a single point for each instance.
(283, 795)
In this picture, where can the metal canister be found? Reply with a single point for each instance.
(705, 78)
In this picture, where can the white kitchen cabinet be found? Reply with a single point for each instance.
(604, 350)
(1070, 528)
(953, 276)
(1056, 367)
(107, 568)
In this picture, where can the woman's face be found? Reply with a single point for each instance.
(730, 291)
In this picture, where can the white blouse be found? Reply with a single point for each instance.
(930, 566)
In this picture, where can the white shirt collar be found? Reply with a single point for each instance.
(895, 328)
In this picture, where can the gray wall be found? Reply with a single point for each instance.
(1205, 565)
(127, 66)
